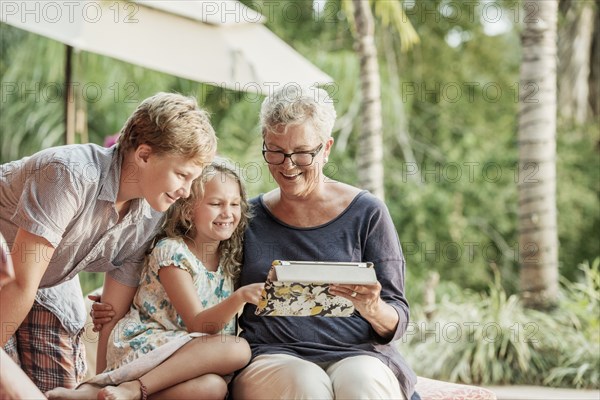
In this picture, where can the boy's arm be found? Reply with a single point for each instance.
(120, 297)
(30, 256)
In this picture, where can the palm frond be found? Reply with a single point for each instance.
(391, 13)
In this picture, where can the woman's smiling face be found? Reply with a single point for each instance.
(294, 180)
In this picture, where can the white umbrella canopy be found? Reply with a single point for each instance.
(223, 43)
(218, 42)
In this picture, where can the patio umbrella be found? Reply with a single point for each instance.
(222, 43)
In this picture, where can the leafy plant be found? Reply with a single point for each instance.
(580, 367)
(492, 339)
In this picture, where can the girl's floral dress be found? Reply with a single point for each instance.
(152, 320)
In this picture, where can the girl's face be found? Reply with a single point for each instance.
(217, 214)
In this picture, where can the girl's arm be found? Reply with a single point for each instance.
(179, 286)
(119, 296)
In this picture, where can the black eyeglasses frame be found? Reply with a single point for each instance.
(289, 155)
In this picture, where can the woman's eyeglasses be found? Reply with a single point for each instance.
(299, 158)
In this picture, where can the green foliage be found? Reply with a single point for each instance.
(492, 339)
(305, 27)
(460, 110)
(578, 196)
(31, 97)
(90, 281)
(580, 365)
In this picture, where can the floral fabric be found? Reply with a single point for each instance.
(301, 299)
(152, 320)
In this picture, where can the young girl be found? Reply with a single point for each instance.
(177, 341)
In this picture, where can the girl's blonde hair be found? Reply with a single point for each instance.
(179, 218)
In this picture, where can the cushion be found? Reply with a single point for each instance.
(431, 389)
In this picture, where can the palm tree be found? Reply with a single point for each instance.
(370, 139)
(574, 59)
(538, 240)
(594, 83)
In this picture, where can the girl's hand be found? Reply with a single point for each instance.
(101, 313)
(366, 298)
(251, 293)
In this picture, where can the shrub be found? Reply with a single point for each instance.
(580, 366)
(492, 339)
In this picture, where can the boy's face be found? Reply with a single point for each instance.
(217, 214)
(165, 179)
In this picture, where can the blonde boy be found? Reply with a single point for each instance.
(87, 208)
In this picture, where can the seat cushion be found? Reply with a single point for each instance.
(431, 389)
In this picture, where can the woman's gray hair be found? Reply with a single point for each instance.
(295, 105)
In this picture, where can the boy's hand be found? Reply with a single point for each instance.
(101, 313)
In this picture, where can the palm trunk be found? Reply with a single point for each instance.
(538, 238)
(370, 140)
(594, 83)
(574, 52)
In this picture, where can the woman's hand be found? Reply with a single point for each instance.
(251, 293)
(367, 301)
(101, 313)
(366, 298)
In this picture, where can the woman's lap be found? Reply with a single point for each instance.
(284, 376)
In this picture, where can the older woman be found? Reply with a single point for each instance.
(314, 218)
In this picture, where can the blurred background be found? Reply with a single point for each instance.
(451, 96)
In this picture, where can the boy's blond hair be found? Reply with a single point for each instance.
(172, 124)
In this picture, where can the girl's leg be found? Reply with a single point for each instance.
(206, 387)
(83, 392)
(213, 355)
